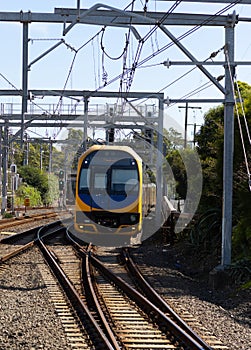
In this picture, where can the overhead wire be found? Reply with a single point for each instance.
(200, 88)
(143, 40)
(137, 63)
(105, 52)
(189, 32)
(195, 28)
(243, 111)
(76, 51)
(104, 72)
(140, 63)
(124, 76)
(12, 85)
(94, 64)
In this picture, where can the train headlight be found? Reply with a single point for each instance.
(133, 218)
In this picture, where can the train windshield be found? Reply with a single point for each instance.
(84, 180)
(99, 181)
(124, 180)
(113, 176)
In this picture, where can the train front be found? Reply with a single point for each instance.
(109, 196)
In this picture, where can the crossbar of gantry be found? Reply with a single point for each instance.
(113, 17)
(82, 93)
(242, 2)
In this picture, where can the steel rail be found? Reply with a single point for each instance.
(19, 236)
(155, 298)
(70, 291)
(158, 315)
(154, 307)
(23, 220)
(86, 266)
(94, 300)
(152, 310)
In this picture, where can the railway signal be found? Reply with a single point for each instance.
(61, 174)
(61, 185)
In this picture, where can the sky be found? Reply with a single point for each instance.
(88, 69)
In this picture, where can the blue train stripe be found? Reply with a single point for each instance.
(107, 202)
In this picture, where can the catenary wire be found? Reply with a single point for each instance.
(243, 111)
(132, 70)
(239, 121)
(134, 66)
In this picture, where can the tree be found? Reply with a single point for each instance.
(173, 139)
(34, 177)
(174, 159)
(73, 148)
(33, 154)
(53, 192)
(210, 141)
(25, 190)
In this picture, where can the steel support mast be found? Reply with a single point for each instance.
(228, 148)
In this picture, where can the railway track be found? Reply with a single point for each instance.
(99, 303)
(27, 218)
(179, 334)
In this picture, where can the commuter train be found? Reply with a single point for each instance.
(113, 195)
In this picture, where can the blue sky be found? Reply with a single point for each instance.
(51, 72)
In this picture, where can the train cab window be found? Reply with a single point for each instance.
(100, 181)
(84, 180)
(124, 180)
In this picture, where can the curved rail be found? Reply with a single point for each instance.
(155, 298)
(30, 236)
(94, 301)
(152, 310)
(92, 298)
(99, 337)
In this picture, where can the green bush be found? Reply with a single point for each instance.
(242, 239)
(25, 190)
(207, 229)
(7, 216)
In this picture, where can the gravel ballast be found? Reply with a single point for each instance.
(225, 312)
(27, 317)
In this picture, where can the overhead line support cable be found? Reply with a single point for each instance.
(243, 111)
(170, 44)
(239, 122)
(14, 87)
(160, 50)
(143, 40)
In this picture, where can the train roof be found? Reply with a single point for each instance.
(127, 149)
